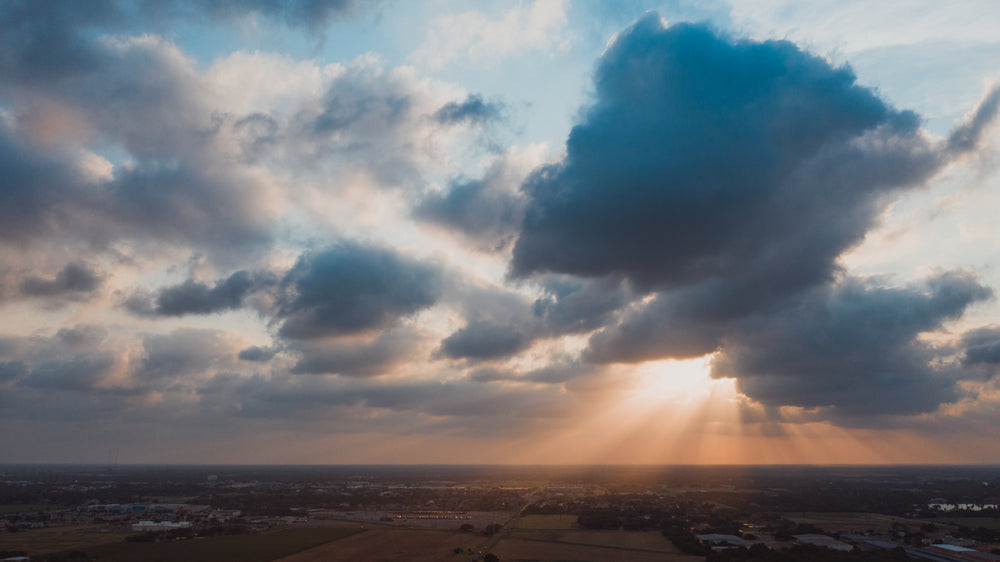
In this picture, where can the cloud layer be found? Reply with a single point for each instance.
(210, 234)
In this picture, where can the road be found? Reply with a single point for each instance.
(481, 550)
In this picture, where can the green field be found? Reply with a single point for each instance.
(555, 522)
(262, 547)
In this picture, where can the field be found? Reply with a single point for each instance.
(389, 543)
(57, 539)
(854, 522)
(971, 522)
(546, 522)
(263, 547)
(589, 546)
(23, 507)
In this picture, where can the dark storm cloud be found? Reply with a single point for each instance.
(357, 359)
(75, 281)
(723, 179)
(193, 297)
(702, 157)
(351, 289)
(474, 110)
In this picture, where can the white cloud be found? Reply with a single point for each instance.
(483, 38)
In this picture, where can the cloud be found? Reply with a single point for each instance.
(84, 372)
(177, 187)
(38, 189)
(184, 352)
(258, 354)
(10, 370)
(486, 211)
(982, 346)
(485, 340)
(312, 14)
(721, 181)
(474, 110)
(853, 347)
(484, 38)
(75, 281)
(83, 336)
(354, 358)
(704, 158)
(502, 323)
(352, 289)
(194, 297)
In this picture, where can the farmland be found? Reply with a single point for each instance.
(56, 539)
(262, 547)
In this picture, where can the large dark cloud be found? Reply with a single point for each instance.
(723, 180)
(702, 157)
(351, 289)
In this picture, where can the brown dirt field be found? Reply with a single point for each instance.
(378, 544)
(58, 539)
(520, 550)
(643, 540)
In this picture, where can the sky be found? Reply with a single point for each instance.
(549, 232)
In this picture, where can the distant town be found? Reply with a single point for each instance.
(509, 513)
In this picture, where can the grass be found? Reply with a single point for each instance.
(262, 547)
(58, 539)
